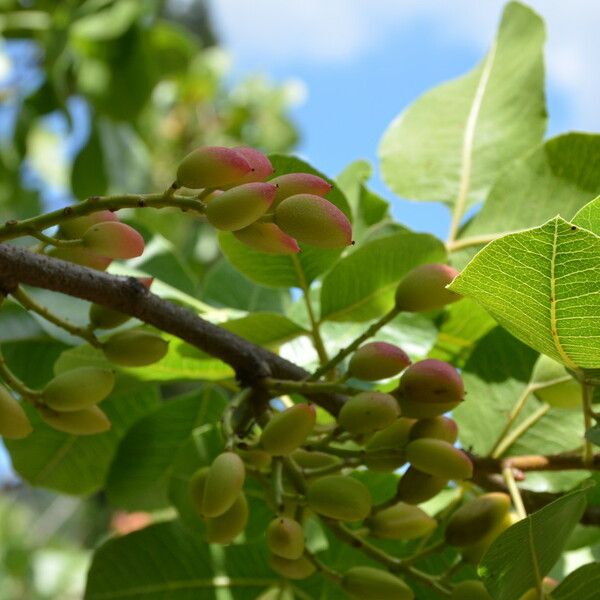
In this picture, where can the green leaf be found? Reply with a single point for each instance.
(165, 561)
(593, 435)
(464, 324)
(454, 139)
(266, 329)
(558, 177)
(361, 286)
(539, 284)
(140, 471)
(273, 270)
(497, 374)
(224, 286)
(581, 584)
(89, 176)
(588, 216)
(74, 464)
(523, 554)
(109, 23)
(181, 362)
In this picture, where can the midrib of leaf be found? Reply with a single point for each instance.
(189, 584)
(468, 142)
(536, 566)
(553, 320)
(55, 459)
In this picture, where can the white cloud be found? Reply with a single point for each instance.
(340, 31)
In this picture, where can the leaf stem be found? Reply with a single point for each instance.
(518, 431)
(515, 493)
(16, 384)
(30, 304)
(284, 386)
(479, 240)
(277, 475)
(369, 332)
(314, 323)
(588, 420)
(514, 413)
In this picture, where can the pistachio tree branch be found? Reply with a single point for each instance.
(14, 229)
(125, 294)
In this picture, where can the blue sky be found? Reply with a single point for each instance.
(362, 62)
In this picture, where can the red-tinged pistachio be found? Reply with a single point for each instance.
(339, 497)
(226, 527)
(424, 288)
(223, 484)
(423, 410)
(471, 589)
(88, 421)
(285, 538)
(261, 166)
(377, 360)
(81, 256)
(135, 348)
(14, 424)
(79, 388)
(102, 317)
(385, 449)
(267, 237)
(476, 519)
(291, 184)
(212, 167)
(401, 521)
(431, 380)
(240, 206)
(441, 428)
(114, 240)
(287, 430)
(300, 568)
(439, 458)
(315, 221)
(415, 486)
(75, 228)
(367, 412)
(364, 583)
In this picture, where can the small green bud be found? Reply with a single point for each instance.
(14, 423)
(377, 360)
(288, 430)
(267, 237)
(401, 521)
(285, 537)
(88, 421)
(196, 487)
(255, 457)
(415, 486)
(212, 167)
(79, 388)
(385, 449)
(223, 485)
(424, 288)
(339, 497)
(439, 458)
(240, 206)
(315, 221)
(369, 583)
(226, 527)
(475, 519)
(441, 428)
(300, 568)
(367, 412)
(135, 348)
(470, 590)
